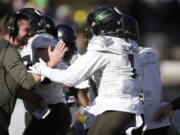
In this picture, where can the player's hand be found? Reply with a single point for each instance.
(37, 67)
(56, 55)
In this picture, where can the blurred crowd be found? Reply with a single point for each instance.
(158, 19)
(158, 26)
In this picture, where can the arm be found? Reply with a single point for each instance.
(14, 66)
(54, 57)
(79, 71)
(32, 97)
(83, 97)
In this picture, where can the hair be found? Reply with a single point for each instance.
(6, 23)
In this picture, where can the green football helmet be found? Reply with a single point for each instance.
(104, 20)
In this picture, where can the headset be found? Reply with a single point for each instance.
(36, 18)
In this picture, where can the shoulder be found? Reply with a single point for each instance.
(147, 56)
(4, 43)
(10, 55)
(7, 48)
(99, 43)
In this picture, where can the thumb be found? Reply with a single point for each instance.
(30, 67)
(41, 60)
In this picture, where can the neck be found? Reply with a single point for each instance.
(6, 37)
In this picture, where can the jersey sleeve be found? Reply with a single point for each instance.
(79, 71)
(13, 64)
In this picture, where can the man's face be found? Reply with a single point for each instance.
(23, 34)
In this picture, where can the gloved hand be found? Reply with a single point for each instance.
(89, 117)
(37, 67)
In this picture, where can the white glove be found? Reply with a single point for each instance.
(37, 67)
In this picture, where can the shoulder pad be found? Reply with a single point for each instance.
(147, 56)
(101, 41)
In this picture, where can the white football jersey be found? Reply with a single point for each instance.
(114, 64)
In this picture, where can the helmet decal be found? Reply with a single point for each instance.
(117, 10)
(104, 20)
(38, 12)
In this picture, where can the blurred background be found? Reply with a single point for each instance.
(159, 23)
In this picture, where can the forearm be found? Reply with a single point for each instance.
(28, 95)
(82, 98)
(17, 70)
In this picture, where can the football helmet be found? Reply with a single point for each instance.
(50, 26)
(131, 28)
(104, 20)
(68, 35)
(35, 17)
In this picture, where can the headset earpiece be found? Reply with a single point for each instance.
(12, 26)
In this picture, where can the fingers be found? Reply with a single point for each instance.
(31, 67)
(42, 61)
(65, 50)
(29, 71)
(60, 46)
(49, 49)
(57, 54)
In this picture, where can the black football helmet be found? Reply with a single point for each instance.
(131, 28)
(68, 35)
(50, 26)
(35, 17)
(104, 20)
